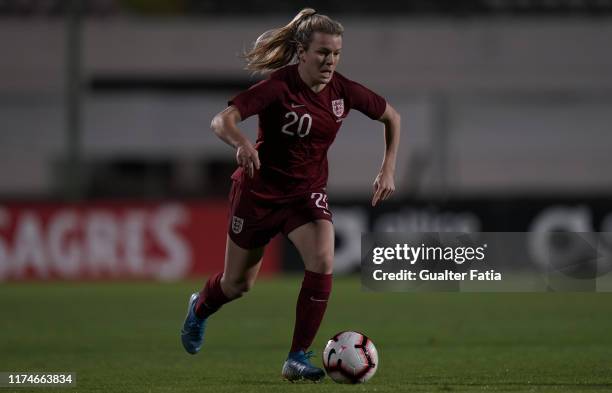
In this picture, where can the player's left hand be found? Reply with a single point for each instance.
(384, 185)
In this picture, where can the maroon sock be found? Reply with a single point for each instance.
(311, 305)
(211, 297)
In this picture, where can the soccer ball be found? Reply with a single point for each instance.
(350, 357)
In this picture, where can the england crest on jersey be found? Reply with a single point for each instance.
(338, 107)
(237, 223)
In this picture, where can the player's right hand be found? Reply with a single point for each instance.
(248, 158)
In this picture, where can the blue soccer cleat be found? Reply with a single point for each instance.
(298, 367)
(192, 334)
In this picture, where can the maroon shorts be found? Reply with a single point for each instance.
(253, 222)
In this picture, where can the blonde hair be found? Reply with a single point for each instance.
(278, 47)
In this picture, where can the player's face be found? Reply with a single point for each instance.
(320, 60)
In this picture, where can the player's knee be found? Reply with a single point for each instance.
(323, 263)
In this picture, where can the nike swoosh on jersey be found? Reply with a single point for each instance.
(297, 105)
(317, 300)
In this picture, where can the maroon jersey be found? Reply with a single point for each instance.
(296, 128)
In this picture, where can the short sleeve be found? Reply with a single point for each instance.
(257, 98)
(365, 100)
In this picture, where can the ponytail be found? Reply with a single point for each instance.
(278, 47)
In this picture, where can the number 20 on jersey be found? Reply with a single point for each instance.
(302, 129)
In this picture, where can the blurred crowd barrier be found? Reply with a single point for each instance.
(174, 240)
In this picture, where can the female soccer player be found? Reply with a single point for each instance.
(280, 184)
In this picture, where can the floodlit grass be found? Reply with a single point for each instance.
(124, 337)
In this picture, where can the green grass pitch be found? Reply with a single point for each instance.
(124, 337)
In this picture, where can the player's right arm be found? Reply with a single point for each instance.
(225, 126)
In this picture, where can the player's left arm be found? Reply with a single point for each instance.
(384, 184)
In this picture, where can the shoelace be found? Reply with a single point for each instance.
(305, 358)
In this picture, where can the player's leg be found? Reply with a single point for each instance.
(315, 243)
(237, 278)
(250, 228)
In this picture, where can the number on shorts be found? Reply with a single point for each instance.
(321, 200)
